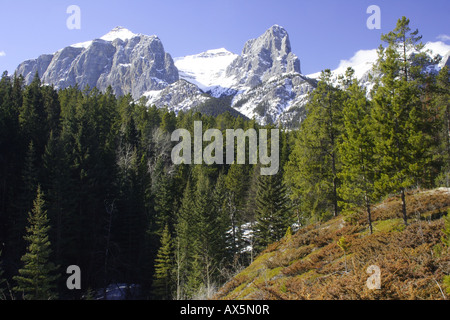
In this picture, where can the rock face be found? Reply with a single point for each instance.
(445, 61)
(127, 62)
(262, 58)
(181, 95)
(263, 82)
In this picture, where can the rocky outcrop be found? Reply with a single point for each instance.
(179, 96)
(262, 58)
(129, 63)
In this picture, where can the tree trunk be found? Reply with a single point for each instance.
(369, 215)
(405, 219)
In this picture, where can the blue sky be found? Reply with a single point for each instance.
(322, 32)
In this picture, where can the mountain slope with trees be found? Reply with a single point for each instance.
(95, 171)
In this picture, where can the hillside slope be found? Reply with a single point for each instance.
(311, 265)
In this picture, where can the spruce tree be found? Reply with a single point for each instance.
(273, 215)
(163, 278)
(183, 242)
(32, 116)
(36, 280)
(236, 187)
(358, 172)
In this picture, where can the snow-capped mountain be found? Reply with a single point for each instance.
(263, 82)
(363, 61)
(268, 79)
(128, 62)
(207, 70)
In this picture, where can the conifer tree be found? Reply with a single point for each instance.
(442, 102)
(235, 183)
(403, 144)
(57, 183)
(163, 278)
(273, 215)
(358, 172)
(313, 166)
(36, 280)
(205, 227)
(164, 203)
(183, 241)
(32, 116)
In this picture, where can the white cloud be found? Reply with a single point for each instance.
(443, 37)
(2, 53)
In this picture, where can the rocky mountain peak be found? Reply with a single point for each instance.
(264, 57)
(119, 33)
(128, 62)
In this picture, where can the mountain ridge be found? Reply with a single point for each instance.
(264, 80)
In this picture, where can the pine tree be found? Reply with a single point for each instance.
(183, 241)
(218, 203)
(206, 244)
(164, 203)
(57, 184)
(273, 215)
(357, 151)
(36, 280)
(236, 186)
(442, 102)
(313, 166)
(403, 142)
(32, 116)
(169, 121)
(163, 278)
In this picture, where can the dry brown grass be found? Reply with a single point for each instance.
(313, 266)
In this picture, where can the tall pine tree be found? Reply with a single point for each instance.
(313, 166)
(357, 151)
(163, 279)
(36, 280)
(403, 143)
(273, 214)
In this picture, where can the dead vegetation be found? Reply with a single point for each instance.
(311, 265)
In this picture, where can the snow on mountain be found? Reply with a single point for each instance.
(119, 33)
(128, 62)
(179, 96)
(263, 82)
(207, 69)
(116, 33)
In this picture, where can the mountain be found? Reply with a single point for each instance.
(363, 61)
(263, 82)
(207, 70)
(263, 58)
(179, 96)
(128, 62)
